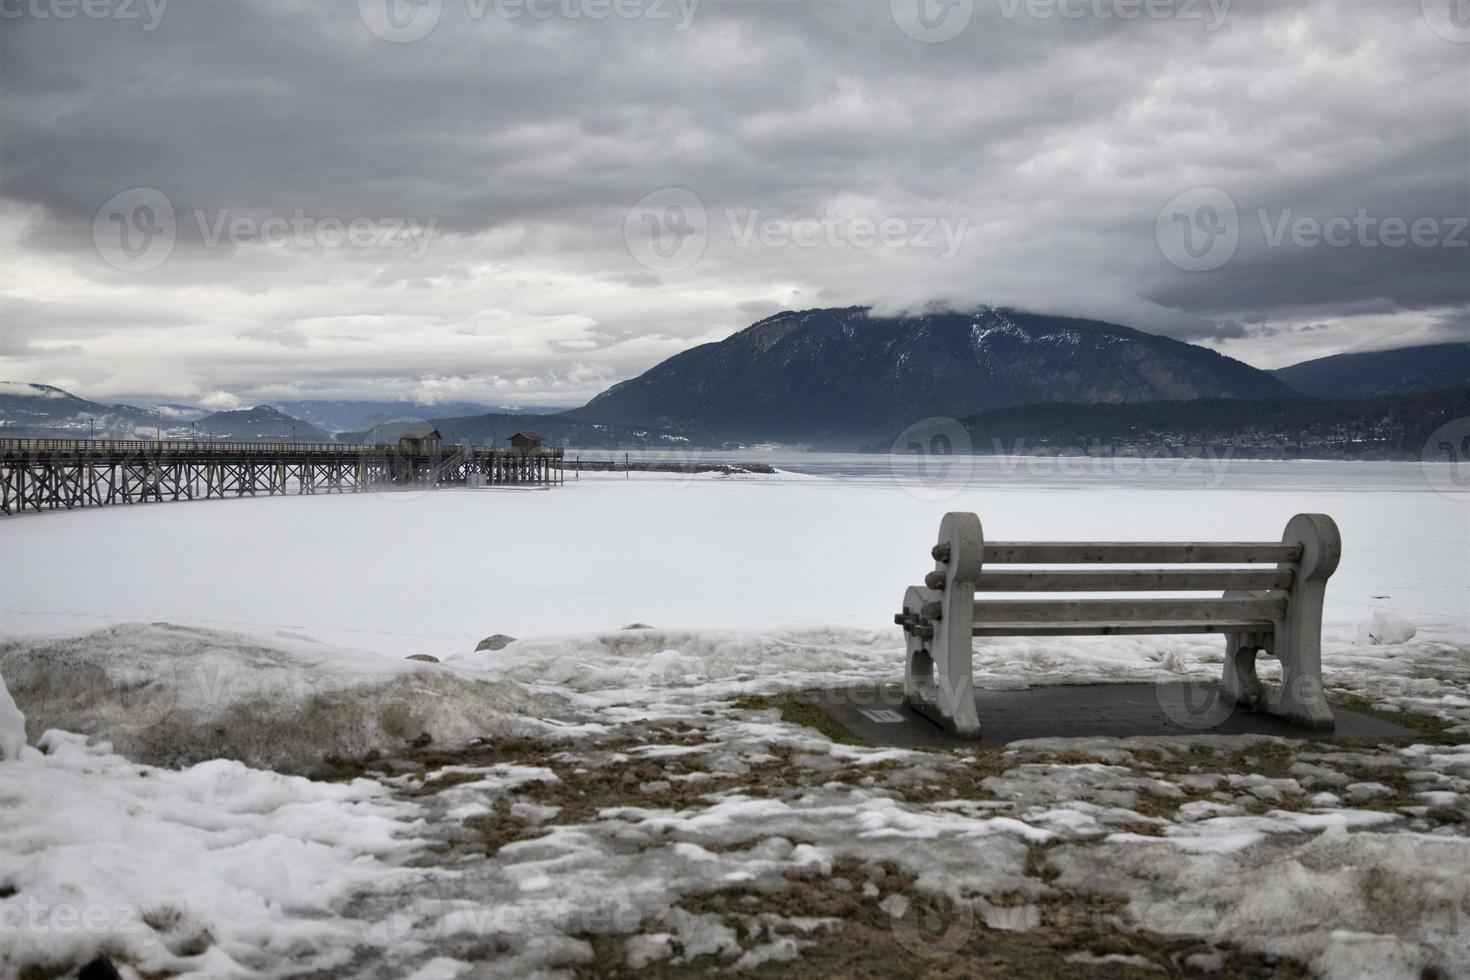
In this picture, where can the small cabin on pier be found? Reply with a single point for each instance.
(525, 440)
(414, 438)
(420, 437)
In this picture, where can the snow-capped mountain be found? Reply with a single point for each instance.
(835, 373)
(47, 412)
(50, 412)
(261, 423)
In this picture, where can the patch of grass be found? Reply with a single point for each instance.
(1427, 727)
(800, 709)
(934, 939)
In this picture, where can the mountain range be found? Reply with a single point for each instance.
(829, 378)
(1386, 372)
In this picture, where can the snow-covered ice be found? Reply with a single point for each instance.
(435, 573)
(590, 796)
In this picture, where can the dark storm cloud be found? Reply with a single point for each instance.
(1046, 141)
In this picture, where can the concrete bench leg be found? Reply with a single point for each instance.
(1297, 641)
(919, 688)
(948, 695)
(1240, 681)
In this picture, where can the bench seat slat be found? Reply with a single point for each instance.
(1127, 610)
(1143, 628)
(1138, 552)
(1129, 580)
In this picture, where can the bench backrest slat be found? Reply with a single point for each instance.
(1129, 610)
(1135, 580)
(1139, 552)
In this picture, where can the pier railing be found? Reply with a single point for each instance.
(185, 447)
(51, 474)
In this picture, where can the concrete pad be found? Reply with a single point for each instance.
(879, 717)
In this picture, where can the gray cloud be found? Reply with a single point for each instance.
(1051, 142)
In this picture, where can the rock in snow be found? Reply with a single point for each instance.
(1386, 628)
(12, 725)
(497, 642)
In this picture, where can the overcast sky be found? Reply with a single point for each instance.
(523, 202)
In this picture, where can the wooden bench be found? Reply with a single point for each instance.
(1274, 606)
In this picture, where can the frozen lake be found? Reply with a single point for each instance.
(832, 541)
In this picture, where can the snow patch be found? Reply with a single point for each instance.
(215, 870)
(175, 696)
(12, 725)
(1386, 628)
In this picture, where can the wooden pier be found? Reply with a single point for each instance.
(61, 474)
